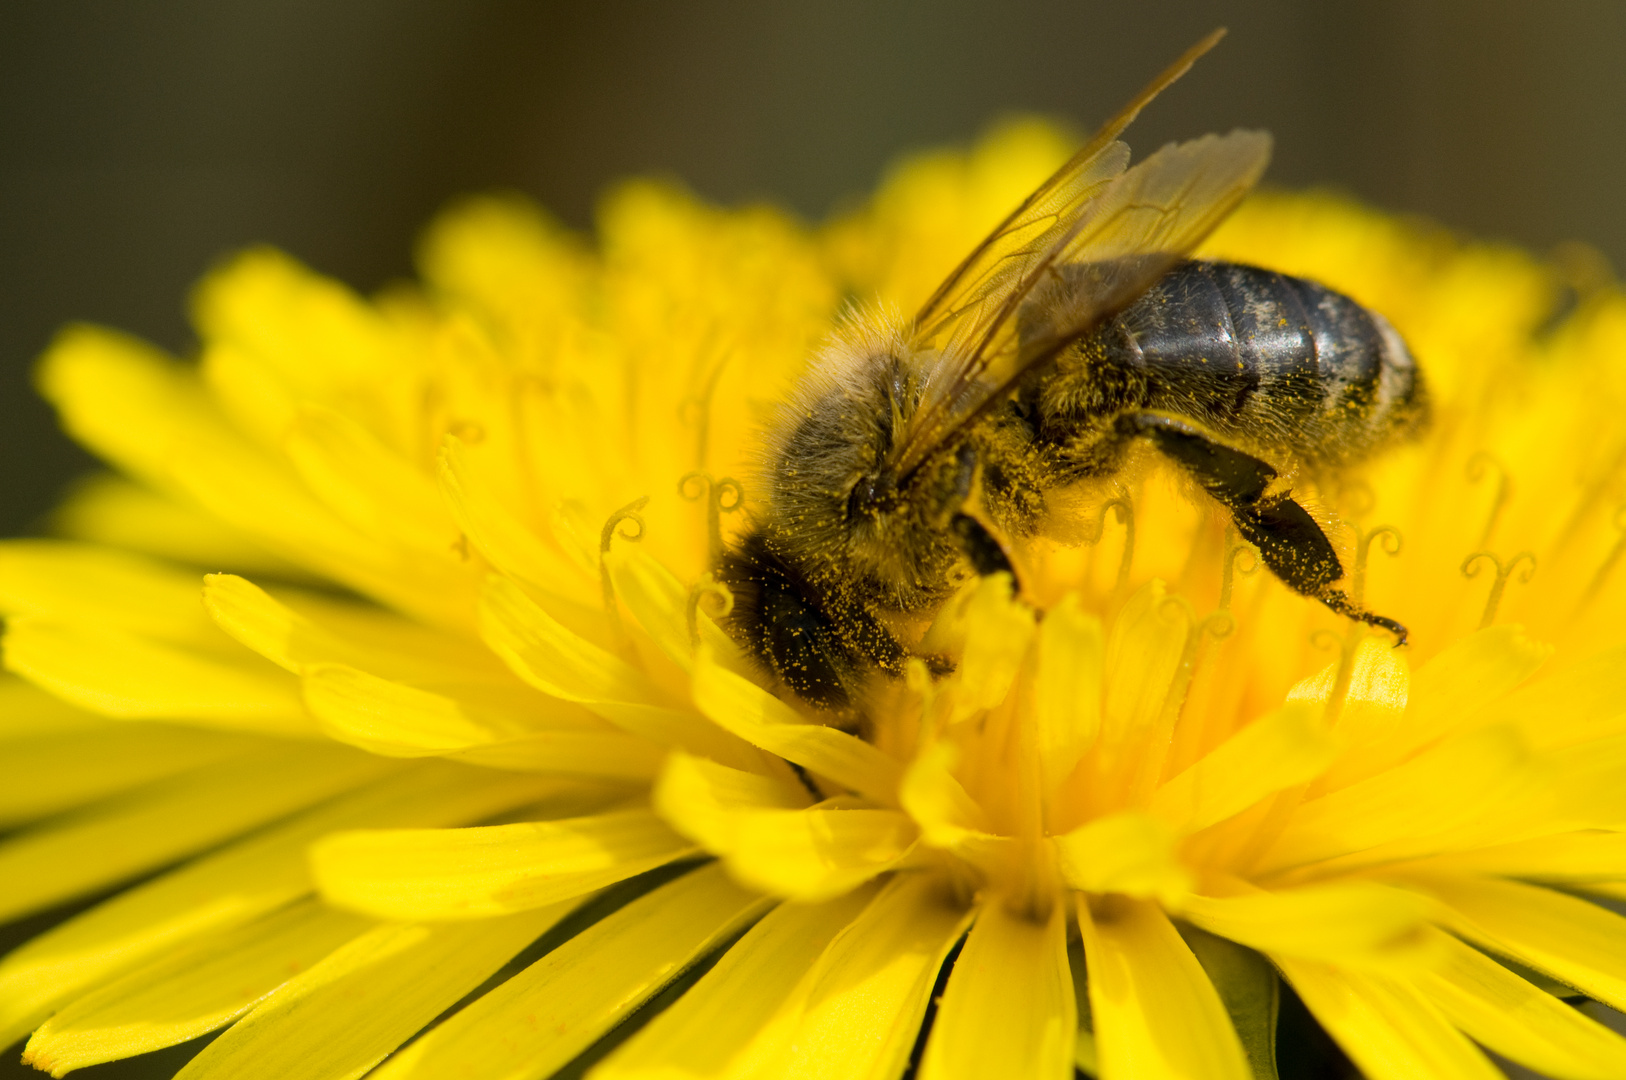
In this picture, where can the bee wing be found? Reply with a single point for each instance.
(1011, 306)
(1001, 261)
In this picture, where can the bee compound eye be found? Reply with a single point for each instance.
(867, 497)
(861, 493)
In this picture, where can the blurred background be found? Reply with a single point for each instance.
(139, 142)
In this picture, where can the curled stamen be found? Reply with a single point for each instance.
(1126, 517)
(695, 411)
(1391, 544)
(1470, 569)
(1218, 625)
(627, 514)
(722, 604)
(1235, 547)
(1609, 560)
(1478, 466)
(722, 496)
(1347, 644)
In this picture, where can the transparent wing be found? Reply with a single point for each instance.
(1074, 270)
(1002, 260)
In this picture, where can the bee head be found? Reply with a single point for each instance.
(833, 506)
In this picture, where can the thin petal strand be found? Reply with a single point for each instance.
(1157, 1016)
(538, 1020)
(732, 1022)
(1391, 1032)
(341, 1017)
(192, 991)
(235, 885)
(1008, 1009)
(1497, 1009)
(149, 828)
(493, 870)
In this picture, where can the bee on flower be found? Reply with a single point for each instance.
(392, 708)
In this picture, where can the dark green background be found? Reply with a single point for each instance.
(141, 140)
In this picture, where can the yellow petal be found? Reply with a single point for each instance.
(241, 882)
(1571, 706)
(146, 829)
(1067, 687)
(112, 511)
(1391, 1031)
(543, 1017)
(1156, 1014)
(1008, 1008)
(750, 712)
(1448, 694)
(770, 840)
(559, 663)
(1461, 681)
(494, 870)
(1347, 922)
(375, 490)
(1374, 704)
(27, 711)
(259, 403)
(342, 1017)
(189, 992)
(118, 674)
(1399, 812)
(704, 800)
(121, 397)
(1497, 1009)
(78, 583)
(1288, 747)
(732, 1022)
(656, 599)
(818, 853)
(505, 542)
(857, 1012)
(255, 494)
(1127, 852)
(1574, 941)
(400, 721)
(949, 818)
(149, 415)
(293, 630)
(1143, 653)
(998, 629)
(312, 333)
(44, 774)
(1578, 858)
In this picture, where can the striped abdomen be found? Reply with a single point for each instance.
(1257, 356)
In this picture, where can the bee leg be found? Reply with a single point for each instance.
(1290, 542)
(982, 549)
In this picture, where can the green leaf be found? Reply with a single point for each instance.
(1248, 986)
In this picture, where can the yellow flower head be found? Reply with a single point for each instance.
(456, 739)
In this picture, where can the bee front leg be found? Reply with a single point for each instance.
(1290, 542)
(982, 548)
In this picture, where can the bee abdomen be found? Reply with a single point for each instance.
(1262, 355)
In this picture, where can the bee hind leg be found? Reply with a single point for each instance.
(1290, 542)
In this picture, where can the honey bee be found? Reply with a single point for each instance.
(1077, 330)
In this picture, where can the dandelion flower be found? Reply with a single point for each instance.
(446, 768)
